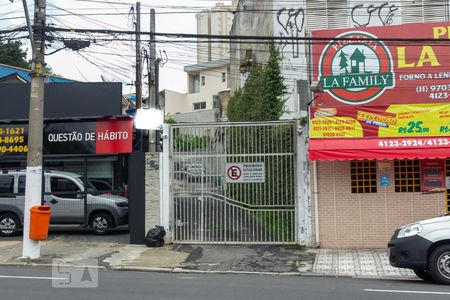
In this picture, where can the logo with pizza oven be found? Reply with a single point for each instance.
(356, 68)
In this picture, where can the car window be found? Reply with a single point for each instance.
(22, 181)
(63, 187)
(6, 184)
(100, 185)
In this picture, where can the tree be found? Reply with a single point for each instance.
(343, 64)
(262, 97)
(11, 53)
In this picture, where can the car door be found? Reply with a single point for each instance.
(66, 200)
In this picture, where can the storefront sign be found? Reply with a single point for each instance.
(245, 172)
(432, 174)
(364, 67)
(13, 139)
(105, 136)
(406, 120)
(379, 148)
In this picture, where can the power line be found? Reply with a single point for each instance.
(240, 37)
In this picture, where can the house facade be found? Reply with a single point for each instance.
(207, 80)
(355, 199)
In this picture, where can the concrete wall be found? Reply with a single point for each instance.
(152, 191)
(173, 102)
(200, 116)
(255, 23)
(216, 21)
(349, 220)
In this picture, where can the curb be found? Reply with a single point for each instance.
(178, 270)
(46, 265)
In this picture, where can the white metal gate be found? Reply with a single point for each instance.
(233, 182)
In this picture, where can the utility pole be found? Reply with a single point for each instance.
(33, 187)
(138, 82)
(152, 89)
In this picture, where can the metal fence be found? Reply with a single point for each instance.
(233, 182)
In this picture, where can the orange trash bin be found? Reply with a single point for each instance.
(39, 222)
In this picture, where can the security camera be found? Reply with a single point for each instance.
(299, 131)
(164, 136)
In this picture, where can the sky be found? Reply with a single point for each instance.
(114, 60)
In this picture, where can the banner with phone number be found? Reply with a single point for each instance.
(405, 120)
(104, 136)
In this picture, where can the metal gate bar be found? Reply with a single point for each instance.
(208, 208)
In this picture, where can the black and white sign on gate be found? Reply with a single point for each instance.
(245, 172)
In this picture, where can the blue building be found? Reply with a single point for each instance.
(10, 74)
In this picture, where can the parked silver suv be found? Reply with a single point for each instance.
(65, 196)
(424, 247)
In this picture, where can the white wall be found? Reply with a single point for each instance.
(174, 102)
(216, 21)
(289, 20)
(213, 85)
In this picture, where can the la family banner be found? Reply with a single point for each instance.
(398, 120)
(104, 136)
(370, 66)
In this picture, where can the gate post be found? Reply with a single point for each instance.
(136, 197)
(165, 208)
(303, 205)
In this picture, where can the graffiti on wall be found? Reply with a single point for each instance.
(363, 15)
(291, 21)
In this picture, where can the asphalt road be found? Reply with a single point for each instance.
(36, 283)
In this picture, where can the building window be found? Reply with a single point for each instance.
(203, 80)
(195, 84)
(407, 175)
(224, 77)
(199, 105)
(364, 176)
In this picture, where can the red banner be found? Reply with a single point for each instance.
(114, 136)
(379, 148)
(364, 67)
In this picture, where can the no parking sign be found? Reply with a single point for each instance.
(245, 172)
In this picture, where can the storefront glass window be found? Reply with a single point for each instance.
(364, 176)
(407, 175)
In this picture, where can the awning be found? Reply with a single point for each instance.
(379, 148)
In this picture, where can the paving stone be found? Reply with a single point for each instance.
(358, 263)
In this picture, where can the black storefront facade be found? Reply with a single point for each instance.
(85, 133)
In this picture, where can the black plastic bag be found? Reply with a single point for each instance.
(155, 237)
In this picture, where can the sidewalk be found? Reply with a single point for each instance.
(249, 259)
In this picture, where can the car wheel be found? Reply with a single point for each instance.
(440, 264)
(101, 223)
(9, 224)
(423, 274)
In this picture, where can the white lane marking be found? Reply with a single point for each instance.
(31, 277)
(407, 292)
